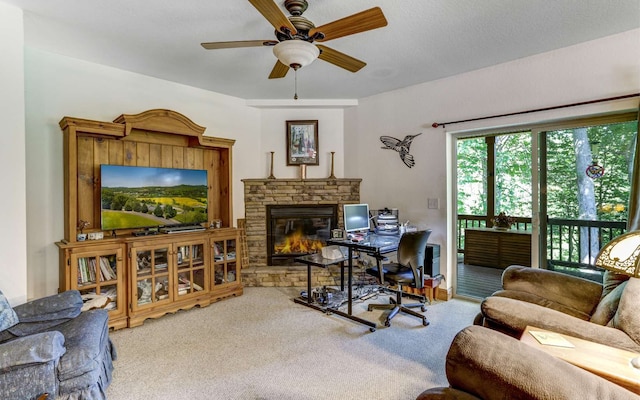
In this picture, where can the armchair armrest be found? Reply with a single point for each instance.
(570, 291)
(33, 349)
(490, 365)
(513, 316)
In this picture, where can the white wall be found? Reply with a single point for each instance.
(13, 238)
(598, 69)
(330, 138)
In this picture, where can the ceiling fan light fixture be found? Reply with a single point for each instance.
(296, 53)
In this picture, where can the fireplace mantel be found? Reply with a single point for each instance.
(258, 193)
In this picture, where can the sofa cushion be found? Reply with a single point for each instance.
(542, 301)
(608, 305)
(627, 318)
(611, 280)
(60, 306)
(567, 291)
(8, 317)
(45, 313)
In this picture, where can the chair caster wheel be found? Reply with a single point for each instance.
(387, 323)
(423, 308)
(369, 308)
(425, 322)
(372, 329)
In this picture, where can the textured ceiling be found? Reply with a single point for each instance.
(424, 40)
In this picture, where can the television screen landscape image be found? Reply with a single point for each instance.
(143, 197)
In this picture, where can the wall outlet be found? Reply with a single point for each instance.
(433, 204)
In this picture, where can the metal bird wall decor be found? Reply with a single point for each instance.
(401, 146)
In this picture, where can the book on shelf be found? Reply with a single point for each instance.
(184, 283)
(107, 272)
(86, 270)
(196, 252)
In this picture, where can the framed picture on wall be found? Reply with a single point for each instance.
(302, 142)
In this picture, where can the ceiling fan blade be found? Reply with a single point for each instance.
(274, 15)
(356, 23)
(279, 70)
(238, 43)
(340, 59)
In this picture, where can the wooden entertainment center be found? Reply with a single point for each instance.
(152, 274)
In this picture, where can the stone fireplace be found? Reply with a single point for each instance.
(263, 195)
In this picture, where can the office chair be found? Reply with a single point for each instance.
(408, 271)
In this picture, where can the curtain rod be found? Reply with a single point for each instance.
(443, 124)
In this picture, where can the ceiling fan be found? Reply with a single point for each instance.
(295, 35)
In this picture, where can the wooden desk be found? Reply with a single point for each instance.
(608, 362)
(495, 248)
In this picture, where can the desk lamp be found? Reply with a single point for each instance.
(622, 256)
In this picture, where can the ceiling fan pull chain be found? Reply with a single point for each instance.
(295, 78)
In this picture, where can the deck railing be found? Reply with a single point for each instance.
(570, 243)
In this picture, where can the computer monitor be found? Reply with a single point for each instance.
(356, 217)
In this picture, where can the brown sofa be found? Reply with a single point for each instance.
(603, 313)
(486, 364)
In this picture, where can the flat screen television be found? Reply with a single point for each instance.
(145, 197)
(356, 217)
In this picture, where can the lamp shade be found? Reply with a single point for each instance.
(621, 255)
(296, 53)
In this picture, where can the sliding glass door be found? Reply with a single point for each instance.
(567, 183)
(584, 192)
(494, 175)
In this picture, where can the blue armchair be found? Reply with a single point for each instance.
(49, 346)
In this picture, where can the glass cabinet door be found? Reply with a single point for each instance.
(96, 276)
(151, 271)
(224, 261)
(191, 272)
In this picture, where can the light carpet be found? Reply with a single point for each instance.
(262, 345)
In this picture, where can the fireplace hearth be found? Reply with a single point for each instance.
(295, 230)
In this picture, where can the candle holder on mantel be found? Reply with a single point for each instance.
(332, 176)
(303, 171)
(271, 170)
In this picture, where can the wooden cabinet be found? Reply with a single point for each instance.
(497, 248)
(160, 274)
(146, 276)
(97, 270)
(169, 273)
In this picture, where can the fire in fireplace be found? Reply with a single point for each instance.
(294, 230)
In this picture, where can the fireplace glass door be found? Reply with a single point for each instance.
(297, 230)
